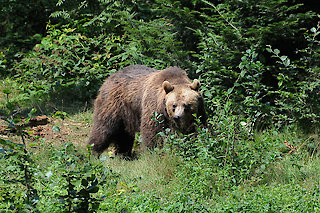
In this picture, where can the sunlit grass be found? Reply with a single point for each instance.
(150, 171)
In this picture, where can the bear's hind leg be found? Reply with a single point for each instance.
(100, 137)
(124, 144)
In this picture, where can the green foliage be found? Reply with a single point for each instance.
(77, 184)
(68, 184)
(273, 198)
(72, 62)
(143, 40)
(224, 154)
(17, 179)
(65, 64)
(223, 43)
(22, 25)
(3, 61)
(234, 64)
(226, 166)
(299, 83)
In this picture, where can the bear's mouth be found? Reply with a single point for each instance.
(184, 128)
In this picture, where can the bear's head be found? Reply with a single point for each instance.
(181, 102)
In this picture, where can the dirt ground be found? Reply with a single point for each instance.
(51, 130)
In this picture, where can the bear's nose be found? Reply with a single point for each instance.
(176, 117)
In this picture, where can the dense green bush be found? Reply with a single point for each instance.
(63, 183)
(234, 61)
(298, 83)
(225, 154)
(70, 62)
(225, 44)
(65, 64)
(22, 25)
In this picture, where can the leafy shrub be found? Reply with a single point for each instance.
(224, 154)
(299, 83)
(77, 184)
(234, 64)
(72, 62)
(22, 25)
(18, 175)
(244, 53)
(65, 64)
(229, 152)
(69, 183)
(222, 42)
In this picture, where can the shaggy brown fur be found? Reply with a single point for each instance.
(128, 98)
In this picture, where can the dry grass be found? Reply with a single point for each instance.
(150, 171)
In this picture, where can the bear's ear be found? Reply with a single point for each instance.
(195, 84)
(167, 86)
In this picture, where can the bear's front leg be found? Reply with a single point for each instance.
(149, 130)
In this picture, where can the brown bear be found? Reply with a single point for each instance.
(128, 99)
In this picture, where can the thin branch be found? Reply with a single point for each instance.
(212, 5)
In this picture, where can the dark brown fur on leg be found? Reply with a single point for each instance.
(124, 143)
(99, 138)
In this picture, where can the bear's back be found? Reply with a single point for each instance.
(135, 71)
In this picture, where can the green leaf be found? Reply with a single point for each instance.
(208, 94)
(32, 112)
(287, 62)
(230, 90)
(243, 72)
(283, 58)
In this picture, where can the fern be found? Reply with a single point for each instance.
(60, 14)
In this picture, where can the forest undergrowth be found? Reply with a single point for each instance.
(227, 167)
